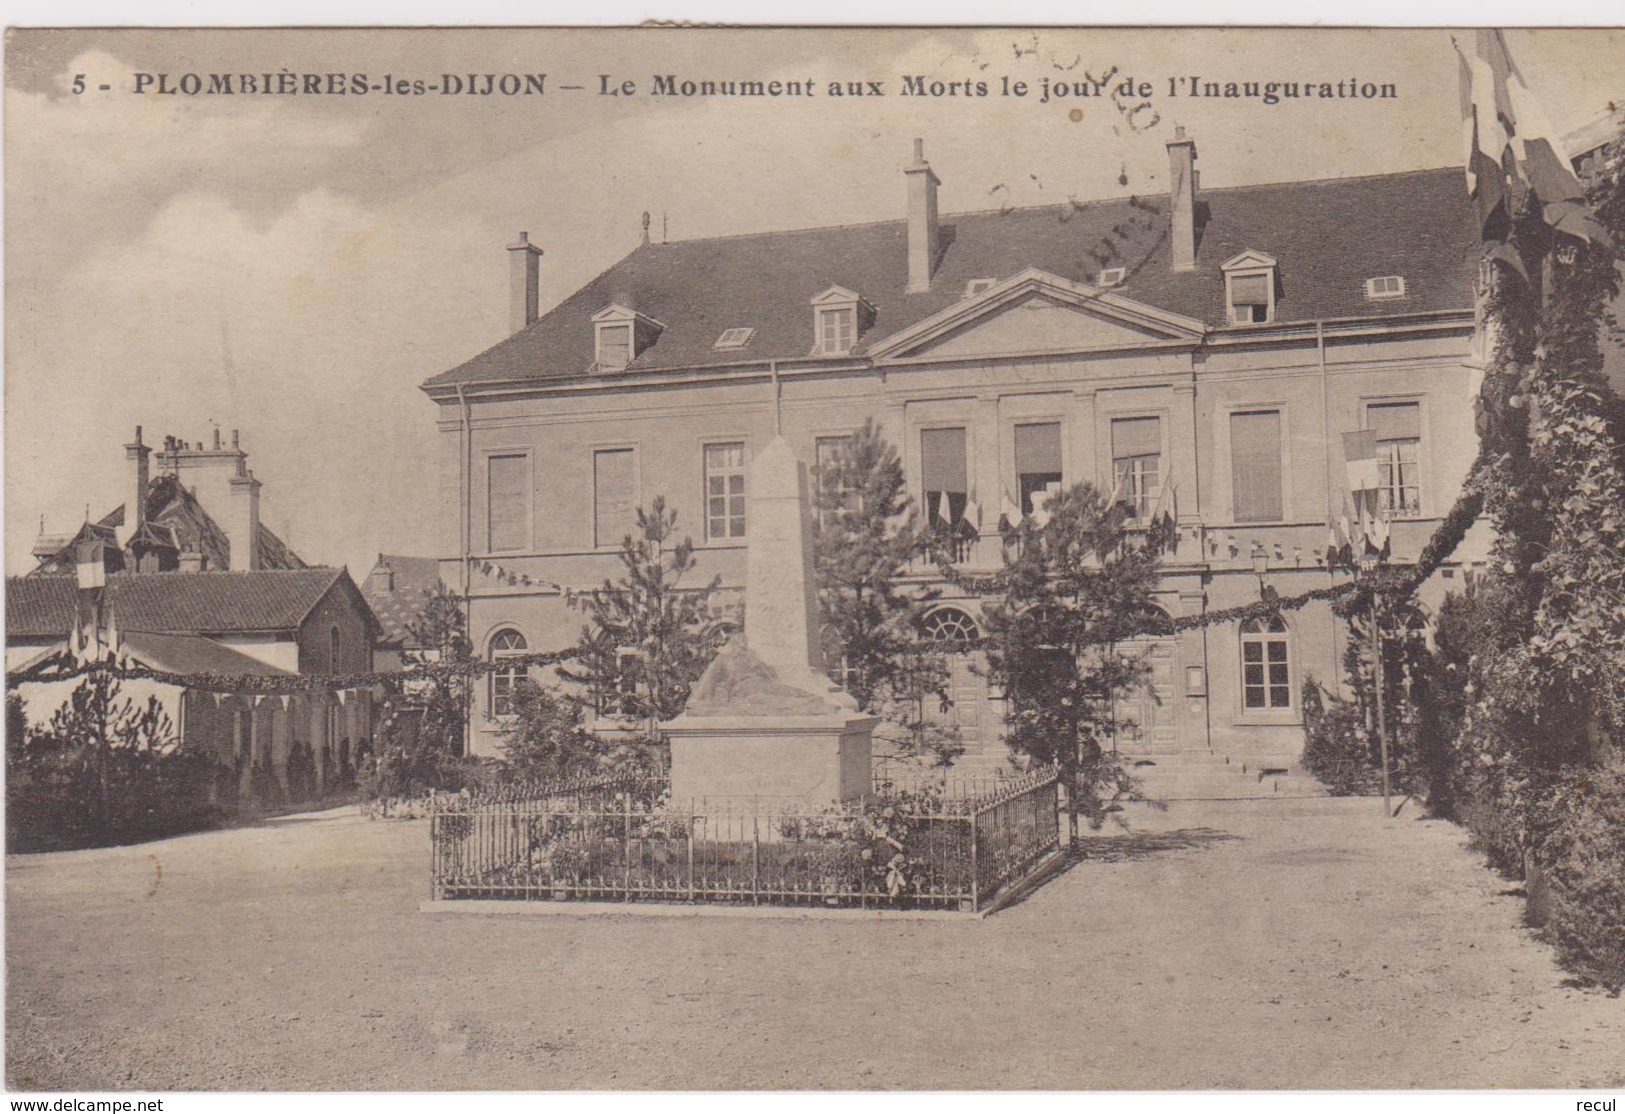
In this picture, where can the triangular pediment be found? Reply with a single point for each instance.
(1037, 313)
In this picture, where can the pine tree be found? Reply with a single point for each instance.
(866, 534)
(648, 636)
(1070, 590)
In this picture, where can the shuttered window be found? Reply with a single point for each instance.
(614, 495)
(1255, 465)
(1250, 299)
(614, 346)
(508, 502)
(1137, 462)
(1038, 459)
(944, 475)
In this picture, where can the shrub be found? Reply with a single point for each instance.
(1581, 850)
(1337, 746)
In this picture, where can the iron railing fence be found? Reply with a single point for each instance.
(609, 843)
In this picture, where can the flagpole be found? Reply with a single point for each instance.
(1377, 675)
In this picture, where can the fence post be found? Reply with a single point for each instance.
(756, 856)
(975, 867)
(691, 849)
(626, 846)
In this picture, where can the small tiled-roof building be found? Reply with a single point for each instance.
(212, 626)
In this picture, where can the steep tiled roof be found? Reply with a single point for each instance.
(170, 505)
(175, 602)
(1329, 237)
(414, 580)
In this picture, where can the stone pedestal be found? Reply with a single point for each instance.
(806, 761)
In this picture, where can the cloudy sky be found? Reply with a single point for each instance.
(295, 266)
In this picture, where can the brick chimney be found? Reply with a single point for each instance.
(1182, 186)
(139, 454)
(241, 522)
(524, 283)
(923, 239)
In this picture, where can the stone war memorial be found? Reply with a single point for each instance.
(772, 797)
(765, 721)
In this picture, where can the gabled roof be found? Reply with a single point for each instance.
(209, 603)
(1329, 236)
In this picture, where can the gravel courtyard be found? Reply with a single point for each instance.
(1279, 944)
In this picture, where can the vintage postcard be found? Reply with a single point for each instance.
(663, 558)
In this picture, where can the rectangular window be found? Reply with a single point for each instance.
(828, 453)
(1265, 681)
(508, 502)
(1038, 460)
(614, 495)
(1255, 465)
(944, 472)
(835, 330)
(725, 491)
(614, 346)
(1250, 299)
(1398, 426)
(1137, 462)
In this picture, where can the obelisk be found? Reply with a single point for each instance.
(765, 720)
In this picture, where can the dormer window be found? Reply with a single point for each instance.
(839, 317)
(1111, 276)
(614, 347)
(1249, 288)
(620, 336)
(1385, 286)
(734, 338)
(979, 286)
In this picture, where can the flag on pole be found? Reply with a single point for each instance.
(1508, 139)
(1040, 500)
(1010, 516)
(1331, 545)
(973, 515)
(1360, 455)
(945, 514)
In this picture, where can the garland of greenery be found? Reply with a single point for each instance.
(279, 684)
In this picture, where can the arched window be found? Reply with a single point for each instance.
(505, 678)
(952, 626)
(1266, 675)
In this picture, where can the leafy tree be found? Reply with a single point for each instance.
(648, 636)
(865, 536)
(1069, 591)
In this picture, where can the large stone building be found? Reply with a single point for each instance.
(1202, 353)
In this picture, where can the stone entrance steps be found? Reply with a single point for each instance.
(1204, 775)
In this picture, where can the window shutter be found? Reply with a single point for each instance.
(1038, 448)
(1136, 437)
(508, 493)
(1395, 421)
(1255, 455)
(614, 495)
(1250, 290)
(942, 460)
